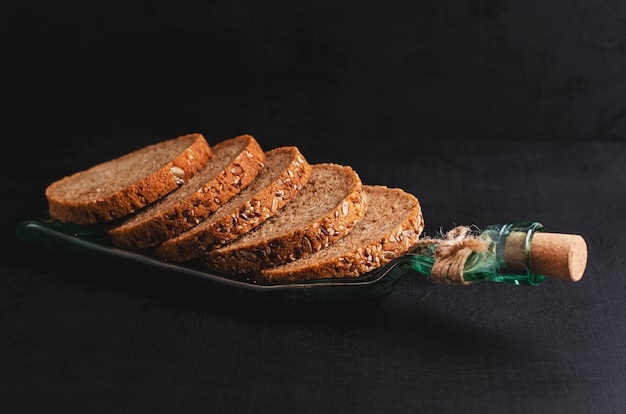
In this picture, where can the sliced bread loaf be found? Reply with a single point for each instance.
(285, 172)
(235, 163)
(326, 209)
(118, 187)
(390, 227)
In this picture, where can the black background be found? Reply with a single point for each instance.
(488, 111)
(322, 71)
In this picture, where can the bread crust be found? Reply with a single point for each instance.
(309, 237)
(160, 224)
(355, 262)
(206, 236)
(124, 201)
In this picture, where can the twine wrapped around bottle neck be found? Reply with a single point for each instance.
(452, 252)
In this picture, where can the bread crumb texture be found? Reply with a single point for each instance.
(391, 226)
(326, 209)
(121, 186)
(235, 164)
(284, 174)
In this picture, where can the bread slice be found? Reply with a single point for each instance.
(390, 227)
(118, 187)
(235, 163)
(326, 209)
(285, 172)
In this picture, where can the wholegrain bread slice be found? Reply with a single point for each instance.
(285, 172)
(390, 227)
(326, 209)
(235, 163)
(118, 187)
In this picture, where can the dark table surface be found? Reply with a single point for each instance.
(88, 334)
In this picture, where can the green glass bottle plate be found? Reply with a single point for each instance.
(90, 240)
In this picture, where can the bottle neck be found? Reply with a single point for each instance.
(500, 253)
(511, 243)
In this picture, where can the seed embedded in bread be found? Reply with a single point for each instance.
(235, 163)
(119, 187)
(326, 209)
(285, 172)
(391, 226)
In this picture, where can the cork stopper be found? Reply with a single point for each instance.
(556, 255)
(561, 256)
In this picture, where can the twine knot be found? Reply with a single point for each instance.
(452, 252)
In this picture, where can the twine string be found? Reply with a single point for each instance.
(452, 253)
